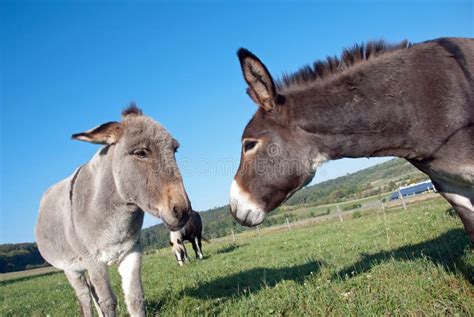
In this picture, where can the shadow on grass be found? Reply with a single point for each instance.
(446, 250)
(230, 248)
(251, 281)
(153, 307)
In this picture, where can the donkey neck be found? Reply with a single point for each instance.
(358, 113)
(104, 225)
(97, 185)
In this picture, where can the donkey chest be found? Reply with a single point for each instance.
(115, 252)
(118, 236)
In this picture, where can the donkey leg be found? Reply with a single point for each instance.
(464, 207)
(461, 197)
(185, 253)
(197, 240)
(200, 246)
(456, 188)
(79, 284)
(130, 271)
(195, 247)
(101, 288)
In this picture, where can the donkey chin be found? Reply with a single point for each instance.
(243, 209)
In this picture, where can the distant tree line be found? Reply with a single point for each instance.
(19, 257)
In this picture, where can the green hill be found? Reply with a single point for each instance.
(371, 181)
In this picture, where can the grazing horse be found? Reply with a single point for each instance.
(192, 232)
(93, 218)
(411, 101)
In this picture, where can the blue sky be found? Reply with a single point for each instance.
(68, 66)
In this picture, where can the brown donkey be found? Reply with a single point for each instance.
(192, 232)
(411, 101)
(93, 218)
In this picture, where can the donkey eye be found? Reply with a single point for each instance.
(141, 153)
(249, 144)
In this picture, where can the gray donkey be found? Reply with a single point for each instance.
(93, 218)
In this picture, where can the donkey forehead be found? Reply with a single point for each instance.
(261, 125)
(144, 128)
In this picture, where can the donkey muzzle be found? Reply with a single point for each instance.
(176, 217)
(176, 207)
(243, 209)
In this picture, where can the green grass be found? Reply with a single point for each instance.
(404, 263)
(28, 273)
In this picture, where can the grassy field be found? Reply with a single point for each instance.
(26, 274)
(399, 263)
(306, 211)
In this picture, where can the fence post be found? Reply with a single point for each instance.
(340, 214)
(403, 199)
(385, 224)
(288, 223)
(233, 236)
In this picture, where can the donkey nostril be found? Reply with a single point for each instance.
(181, 211)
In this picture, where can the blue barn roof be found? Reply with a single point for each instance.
(414, 189)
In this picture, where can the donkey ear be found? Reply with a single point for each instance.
(261, 87)
(107, 133)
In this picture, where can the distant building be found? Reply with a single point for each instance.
(413, 190)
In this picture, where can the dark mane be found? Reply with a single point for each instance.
(132, 109)
(333, 65)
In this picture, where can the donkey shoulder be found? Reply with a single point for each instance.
(51, 226)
